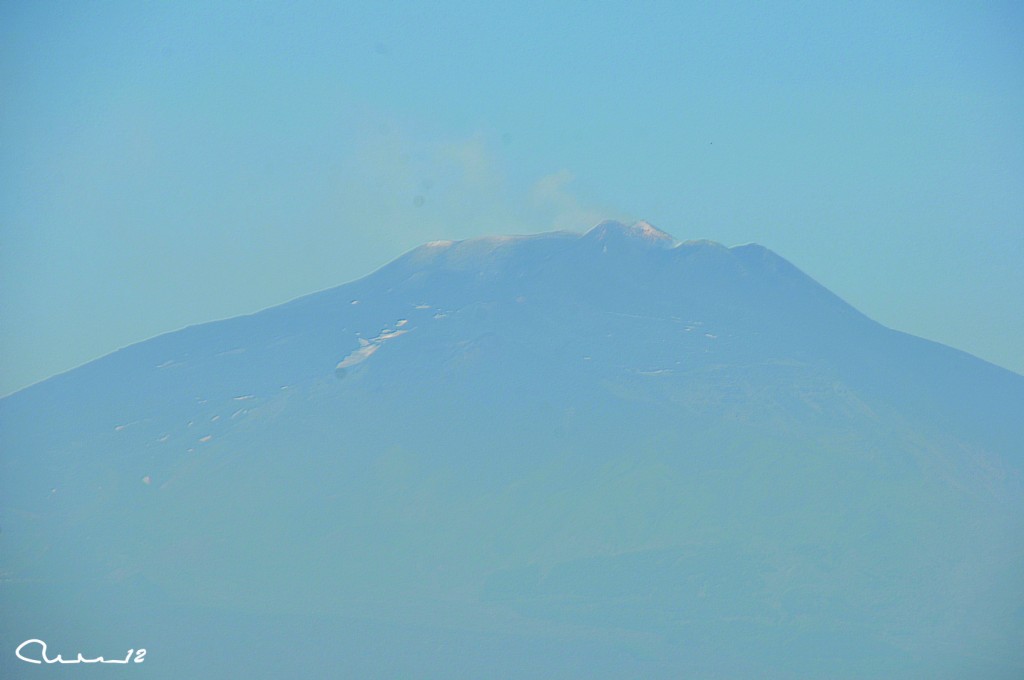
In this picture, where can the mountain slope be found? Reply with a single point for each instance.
(616, 453)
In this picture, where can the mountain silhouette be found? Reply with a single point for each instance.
(612, 454)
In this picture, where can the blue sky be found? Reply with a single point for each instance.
(167, 164)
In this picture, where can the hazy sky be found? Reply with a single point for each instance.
(164, 164)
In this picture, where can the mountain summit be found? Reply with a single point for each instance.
(611, 231)
(603, 455)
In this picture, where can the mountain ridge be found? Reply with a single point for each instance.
(470, 250)
(672, 450)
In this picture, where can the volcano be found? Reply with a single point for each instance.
(610, 454)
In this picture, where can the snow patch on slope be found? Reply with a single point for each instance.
(367, 348)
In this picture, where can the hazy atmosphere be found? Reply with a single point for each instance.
(168, 164)
(445, 341)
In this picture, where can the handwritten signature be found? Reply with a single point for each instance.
(139, 654)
